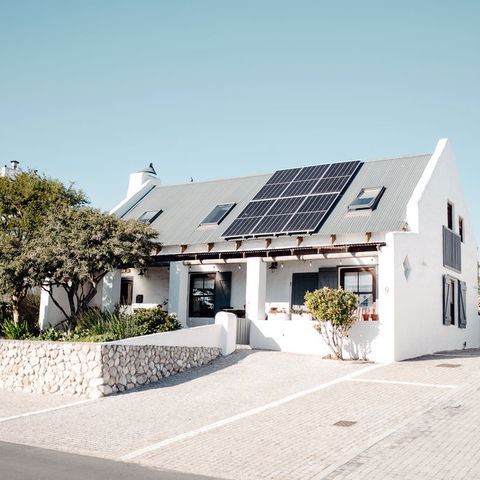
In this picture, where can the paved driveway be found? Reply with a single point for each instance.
(260, 415)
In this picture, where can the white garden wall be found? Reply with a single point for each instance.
(220, 335)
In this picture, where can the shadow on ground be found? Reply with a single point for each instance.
(448, 355)
(216, 365)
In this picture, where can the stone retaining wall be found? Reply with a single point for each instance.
(91, 369)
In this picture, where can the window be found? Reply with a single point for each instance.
(202, 295)
(216, 216)
(150, 216)
(450, 216)
(362, 282)
(454, 302)
(126, 289)
(367, 199)
(460, 228)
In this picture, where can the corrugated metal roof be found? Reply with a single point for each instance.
(399, 176)
(186, 205)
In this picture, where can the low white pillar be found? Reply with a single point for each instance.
(229, 333)
(111, 285)
(49, 314)
(256, 288)
(178, 291)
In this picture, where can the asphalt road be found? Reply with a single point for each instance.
(21, 462)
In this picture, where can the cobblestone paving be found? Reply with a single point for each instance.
(413, 420)
(18, 403)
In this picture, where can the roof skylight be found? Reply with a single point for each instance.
(216, 216)
(150, 216)
(367, 199)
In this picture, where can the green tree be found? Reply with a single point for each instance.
(333, 309)
(26, 203)
(78, 247)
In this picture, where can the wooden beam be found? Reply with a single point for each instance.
(333, 238)
(268, 242)
(368, 236)
(238, 244)
(299, 241)
(210, 246)
(183, 248)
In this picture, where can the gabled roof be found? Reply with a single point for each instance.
(186, 205)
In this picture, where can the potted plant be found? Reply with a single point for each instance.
(365, 315)
(275, 313)
(300, 314)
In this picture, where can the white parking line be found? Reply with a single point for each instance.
(46, 410)
(395, 382)
(248, 413)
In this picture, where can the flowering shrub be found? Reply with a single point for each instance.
(333, 309)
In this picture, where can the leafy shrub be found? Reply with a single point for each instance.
(155, 320)
(333, 309)
(97, 326)
(15, 331)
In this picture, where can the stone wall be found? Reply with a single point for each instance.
(91, 369)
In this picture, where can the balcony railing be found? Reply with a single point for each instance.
(452, 250)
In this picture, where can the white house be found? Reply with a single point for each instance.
(394, 231)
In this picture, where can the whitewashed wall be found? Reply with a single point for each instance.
(153, 285)
(417, 302)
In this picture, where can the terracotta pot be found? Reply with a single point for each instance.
(374, 316)
(365, 316)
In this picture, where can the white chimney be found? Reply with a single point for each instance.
(137, 179)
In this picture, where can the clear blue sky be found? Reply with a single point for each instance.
(93, 90)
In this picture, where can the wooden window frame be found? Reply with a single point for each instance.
(191, 296)
(450, 216)
(372, 270)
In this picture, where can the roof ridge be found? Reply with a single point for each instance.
(291, 168)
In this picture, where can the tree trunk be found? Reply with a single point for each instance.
(16, 300)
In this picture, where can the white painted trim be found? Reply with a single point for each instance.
(46, 410)
(248, 413)
(412, 205)
(395, 382)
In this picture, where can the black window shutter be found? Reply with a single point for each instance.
(327, 277)
(301, 284)
(462, 304)
(223, 289)
(447, 285)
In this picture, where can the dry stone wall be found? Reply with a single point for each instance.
(92, 369)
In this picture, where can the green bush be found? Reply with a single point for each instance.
(15, 331)
(97, 326)
(155, 320)
(333, 309)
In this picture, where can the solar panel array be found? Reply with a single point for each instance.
(293, 201)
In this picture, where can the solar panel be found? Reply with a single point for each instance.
(271, 223)
(285, 205)
(296, 200)
(271, 191)
(303, 187)
(282, 176)
(308, 173)
(303, 221)
(327, 185)
(256, 209)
